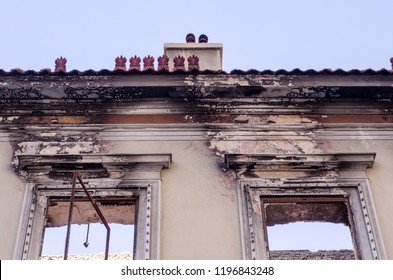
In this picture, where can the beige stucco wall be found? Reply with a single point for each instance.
(199, 213)
(199, 202)
(380, 177)
(11, 196)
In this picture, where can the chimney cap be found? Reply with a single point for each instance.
(203, 38)
(190, 38)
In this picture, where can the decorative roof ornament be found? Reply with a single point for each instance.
(60, 64)
(391, 61)
(178, 63)
(163, 63)
(190, 38)
(148, 63)
(193, 62)
(135, 63)
(121, 63)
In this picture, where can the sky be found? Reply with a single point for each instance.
(256, 34)
(313, 236)
(121, 239)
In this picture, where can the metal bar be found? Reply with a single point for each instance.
(67, 241)
(108, 230)
(86, 244)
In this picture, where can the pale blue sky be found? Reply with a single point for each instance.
(311, 236)
(260, 34)
(121, 239)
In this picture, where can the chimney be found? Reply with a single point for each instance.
(209, 54)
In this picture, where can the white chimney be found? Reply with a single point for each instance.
(209, 54)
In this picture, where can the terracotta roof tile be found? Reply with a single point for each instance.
(102, 72)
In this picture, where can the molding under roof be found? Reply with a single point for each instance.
(300, 162)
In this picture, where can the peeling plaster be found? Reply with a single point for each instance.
(43, 146)
(222, 147)
(252, 120)
(289, 119)
(214, 81)
(9, 119)
(221, 144)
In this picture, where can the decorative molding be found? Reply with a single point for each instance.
(111, 166)
(299, 162)
(197, 132)
(257, 93)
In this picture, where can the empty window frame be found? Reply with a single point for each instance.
(133, 177)
(88, 234)
(352, 200)
(126, 204)
(289, 220)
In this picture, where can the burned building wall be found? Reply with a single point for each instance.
(14, 188)
(198, 119)
(208, 200)
(199, 198)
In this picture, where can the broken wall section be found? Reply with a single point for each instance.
(308, 255)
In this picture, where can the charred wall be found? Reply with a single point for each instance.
(198, 119)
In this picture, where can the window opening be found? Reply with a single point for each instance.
(293, 224)
(313, 236)
(121, 246)
(81, 212)
(122, 177)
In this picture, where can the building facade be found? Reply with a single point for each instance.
(200, 161)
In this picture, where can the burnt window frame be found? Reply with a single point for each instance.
(106, 211)
(39, 205)
(322, 175)
(135, 175)
(367, 234)
(146, 227)
(310, 199)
